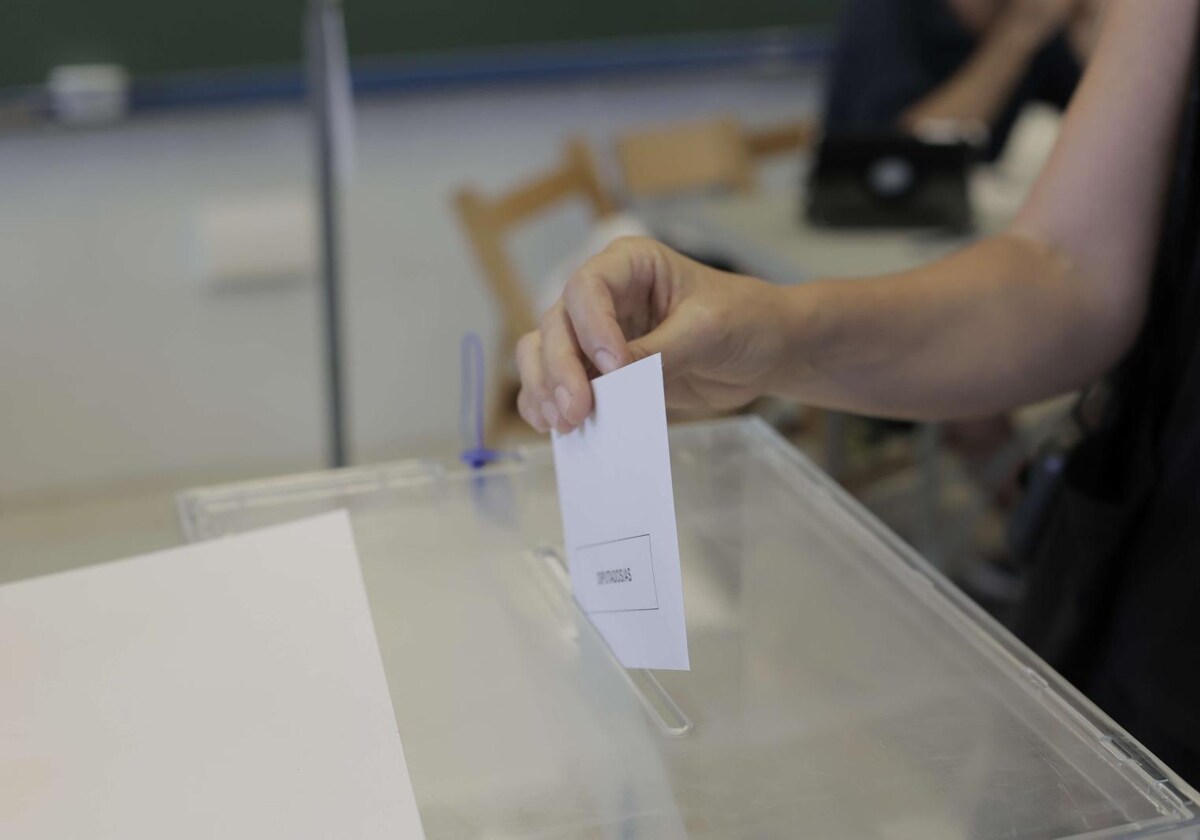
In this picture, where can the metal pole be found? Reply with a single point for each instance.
(321, 20)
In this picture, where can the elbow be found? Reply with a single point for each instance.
(1100, 301)
(1115, 314)
(1112, 291)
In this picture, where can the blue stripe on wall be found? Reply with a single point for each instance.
(775, 48)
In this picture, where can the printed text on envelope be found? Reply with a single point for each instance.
(617, 575)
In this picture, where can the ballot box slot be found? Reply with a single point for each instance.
(654, 698)
(200, 510)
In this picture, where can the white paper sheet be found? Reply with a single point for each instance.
(226, 689)
(618, 510)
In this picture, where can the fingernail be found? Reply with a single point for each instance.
(606, 361)
(550, 413)
(563, 397)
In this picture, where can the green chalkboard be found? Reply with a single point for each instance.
(163, 36)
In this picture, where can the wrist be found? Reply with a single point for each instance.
(802, 326)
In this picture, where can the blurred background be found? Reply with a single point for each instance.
(163, 297)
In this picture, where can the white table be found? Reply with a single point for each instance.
(766, 233)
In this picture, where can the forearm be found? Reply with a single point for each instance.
(1043, 308)
(982, 88)
(1002, 323)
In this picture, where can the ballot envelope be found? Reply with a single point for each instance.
(839, 686)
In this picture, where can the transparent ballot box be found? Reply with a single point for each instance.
(840, 686)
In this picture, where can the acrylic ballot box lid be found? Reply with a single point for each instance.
(840, 687)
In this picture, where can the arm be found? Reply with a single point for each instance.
(1057, 299)
(982, 88)
(1042, 308)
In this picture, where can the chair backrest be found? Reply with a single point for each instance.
(683, 156)
(489, 221)
(706, 154)
(780, 139)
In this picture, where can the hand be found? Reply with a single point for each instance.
(721, 335)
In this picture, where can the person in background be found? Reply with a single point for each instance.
(911, 63)
(1098, 277)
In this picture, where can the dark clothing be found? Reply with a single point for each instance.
(890, 54)
(1114, 601)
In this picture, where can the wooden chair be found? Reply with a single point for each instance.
(781, 139)
(706, 154)
(488, 222)
(683, 156)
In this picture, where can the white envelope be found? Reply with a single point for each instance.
(231, 688)
(618, 510)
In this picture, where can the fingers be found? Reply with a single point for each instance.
(533, 391)
(555, 392)
(620, 282)
(588, 303)
(627, 287)
(568, 394)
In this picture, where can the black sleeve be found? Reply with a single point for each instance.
(1057, 71)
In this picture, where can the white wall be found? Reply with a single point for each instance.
(118, 361)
